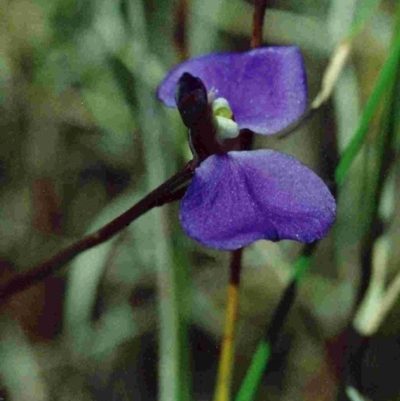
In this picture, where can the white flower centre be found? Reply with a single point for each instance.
(226, 127)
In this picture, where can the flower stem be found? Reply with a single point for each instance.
(258, 23)
(157, 197)
(180, 29)
(224, 380)
(225, 369)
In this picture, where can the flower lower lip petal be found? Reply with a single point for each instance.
(238, 198)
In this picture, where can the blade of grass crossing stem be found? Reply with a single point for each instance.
(380, 88)
(169, 345)
(171, 374)
(263, 352)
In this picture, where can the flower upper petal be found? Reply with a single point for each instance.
(266, 87)
(237, 198)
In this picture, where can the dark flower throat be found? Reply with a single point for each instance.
(196, 112)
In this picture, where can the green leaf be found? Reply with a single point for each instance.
(263, 352)
(254, 375)
(383, 82)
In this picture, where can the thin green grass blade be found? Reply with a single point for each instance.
(396, 111)
(377, 168)
(173, 372)
(258, 364)
(375, 158)
(302, 265)
(262, 355)
(184, 305)
(380, 88)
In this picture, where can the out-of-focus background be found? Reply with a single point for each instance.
(83, 138)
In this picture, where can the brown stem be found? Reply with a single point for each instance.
(225, 369)
(52, 265)
(260, 6)
(258, 23)
(180, 36)
(236, 264)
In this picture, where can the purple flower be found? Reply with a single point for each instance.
(236, 198)
(266, 88)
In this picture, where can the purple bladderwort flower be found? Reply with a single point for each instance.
(238, 197)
